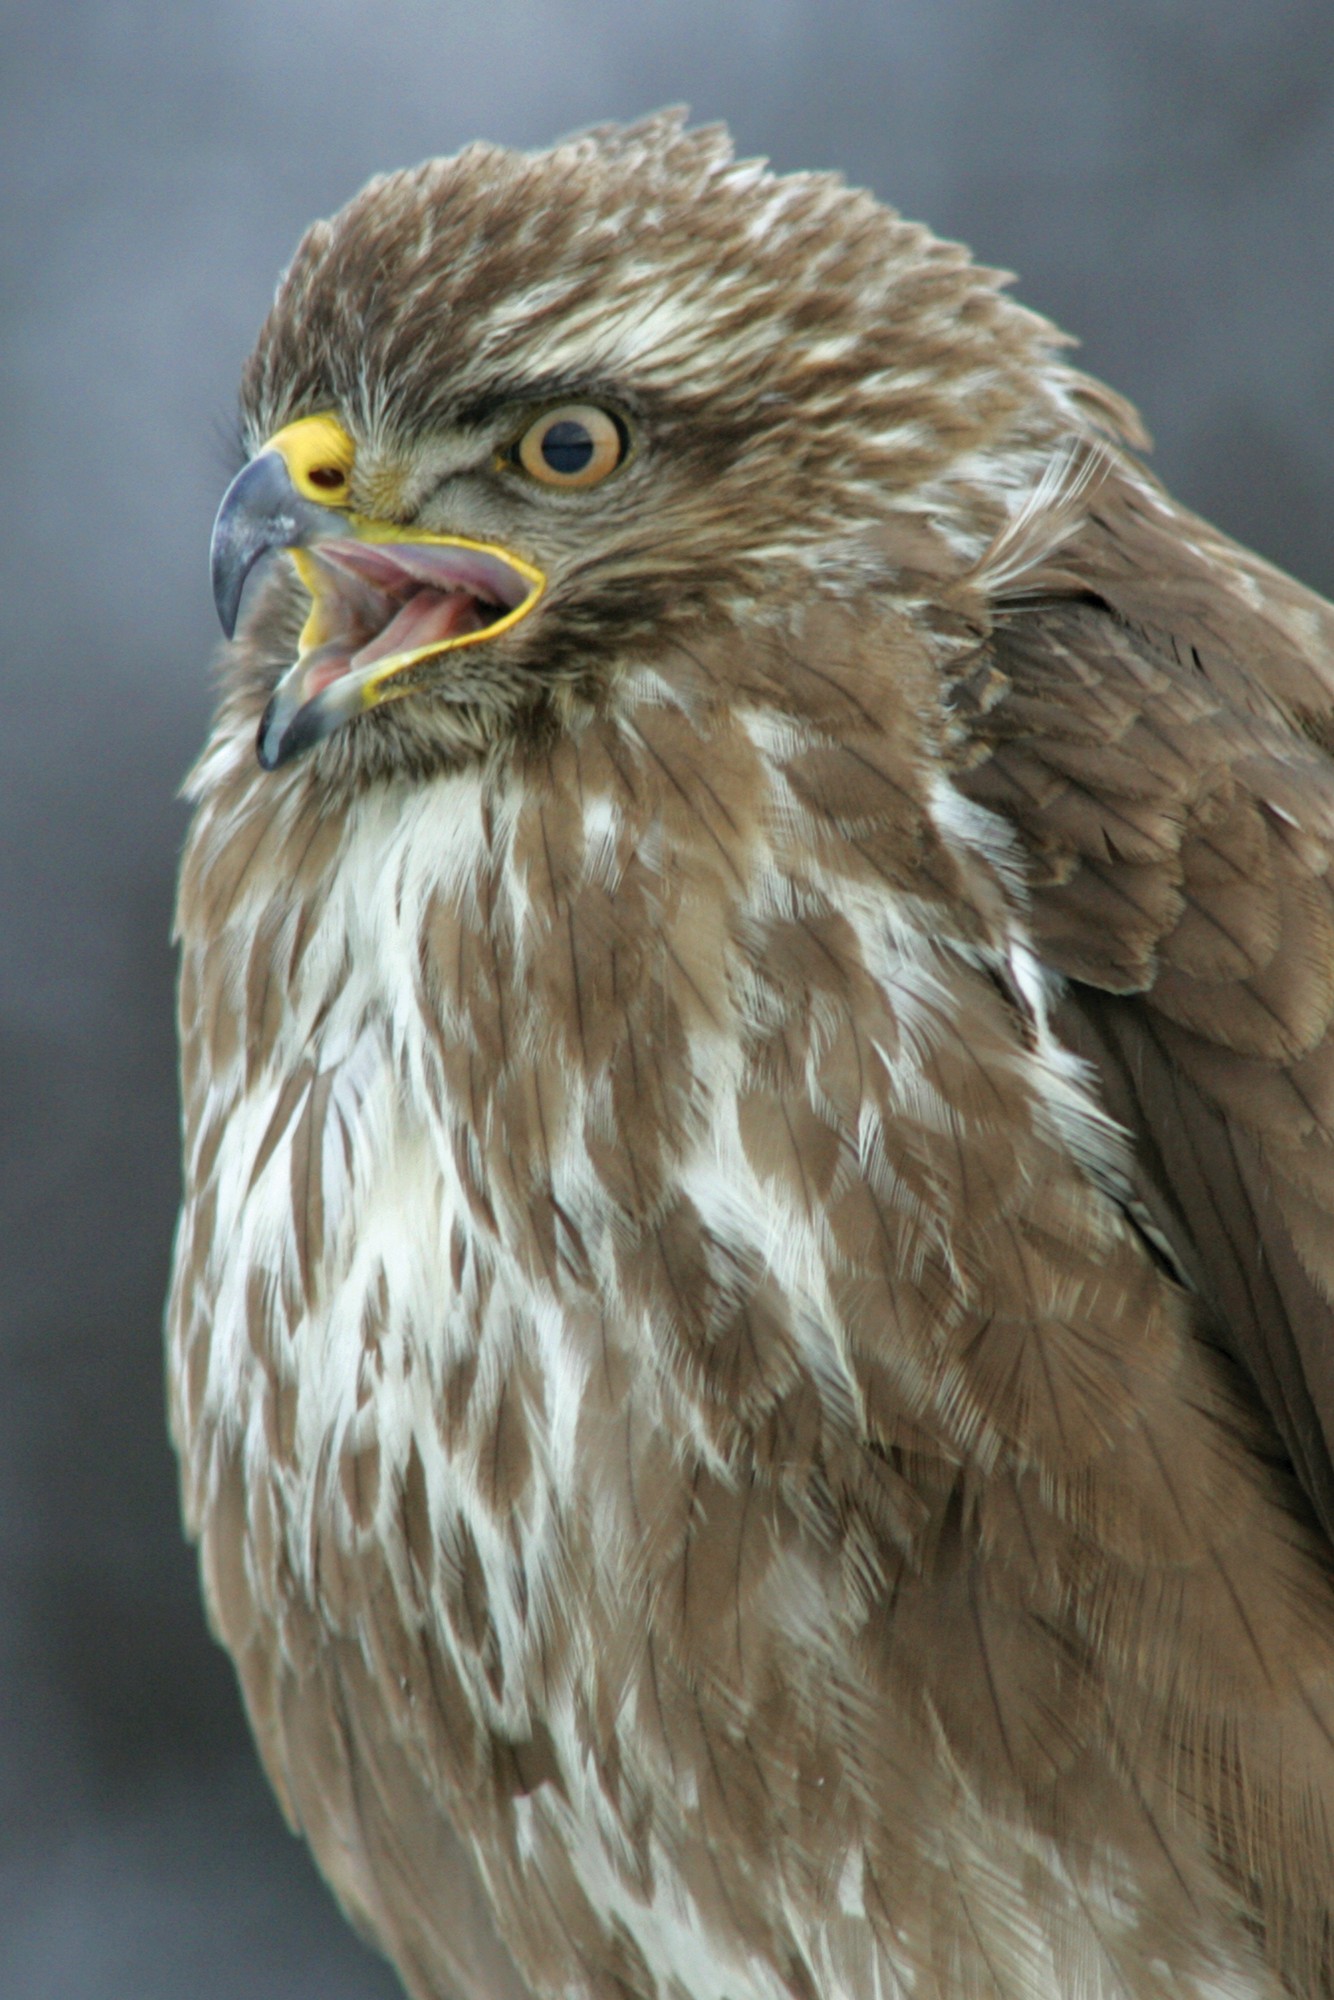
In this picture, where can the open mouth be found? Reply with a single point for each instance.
(378, 611)
(380, 608)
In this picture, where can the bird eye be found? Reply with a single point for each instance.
(576, 445)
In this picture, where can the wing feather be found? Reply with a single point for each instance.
(1160, 744)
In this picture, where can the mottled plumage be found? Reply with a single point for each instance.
(751, 1336)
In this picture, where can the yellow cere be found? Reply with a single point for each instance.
(318, 454)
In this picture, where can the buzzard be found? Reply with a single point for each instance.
(751, 1335)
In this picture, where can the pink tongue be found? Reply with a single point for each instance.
(427, 619)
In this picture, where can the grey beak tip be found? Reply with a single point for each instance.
(269, 741)
(260, 511)
(286, 732)
(245, 527)
(226, 595)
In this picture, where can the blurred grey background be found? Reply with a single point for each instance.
(1161, 175)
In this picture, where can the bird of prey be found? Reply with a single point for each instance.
(751, 1337)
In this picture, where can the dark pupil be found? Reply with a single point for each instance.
(567, 447)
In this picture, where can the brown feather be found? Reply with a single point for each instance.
(728, 1468)
(1227, 932)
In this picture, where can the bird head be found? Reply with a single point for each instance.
(518, 420)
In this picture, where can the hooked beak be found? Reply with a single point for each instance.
(384, 599)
